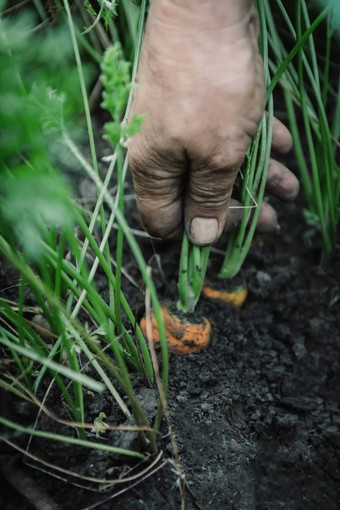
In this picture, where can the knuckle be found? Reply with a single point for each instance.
(209, 198)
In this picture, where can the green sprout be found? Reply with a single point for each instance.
(309, 91)
(192, 269)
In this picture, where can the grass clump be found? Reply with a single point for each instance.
(311, 88)
(57, 245)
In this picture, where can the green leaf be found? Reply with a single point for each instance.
(134, 125)
(112, 132)
(31, 201)
(32, 354)
(116, 81)
(89, 8)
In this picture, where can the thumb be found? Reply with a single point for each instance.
(207, 200)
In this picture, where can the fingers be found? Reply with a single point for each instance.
(282, 140)
(281, 182)
(172, 190)
(235, 215)
(266, 223)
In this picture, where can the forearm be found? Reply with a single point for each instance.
(213, 14)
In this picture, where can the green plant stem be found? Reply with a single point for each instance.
(239, 243)
(88, 119)
(306, 87)
(70, 440)
(82, 85)
(55, 367)
(295, 51)
(120, 237)
(122, 377)
(192, 269)
(154, 299)
(183, 279)
(254, 172)
(310, 141)
(111, 277)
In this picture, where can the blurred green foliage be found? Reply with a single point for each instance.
(40, 98)
(335, 7)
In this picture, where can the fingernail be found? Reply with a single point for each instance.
(204, 230)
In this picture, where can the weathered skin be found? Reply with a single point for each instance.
(201, 86)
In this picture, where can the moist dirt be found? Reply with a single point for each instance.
(255, 415)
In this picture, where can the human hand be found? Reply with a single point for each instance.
(201, 86)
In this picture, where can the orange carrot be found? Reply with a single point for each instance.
(236, 298)
(183, 337)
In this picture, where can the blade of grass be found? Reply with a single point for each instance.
(69, 440)
(79, 333)
(56, 367)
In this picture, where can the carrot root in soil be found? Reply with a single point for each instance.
(184, 337)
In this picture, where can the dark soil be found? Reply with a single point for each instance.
(256, 415)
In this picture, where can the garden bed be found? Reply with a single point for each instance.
(256, 415)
